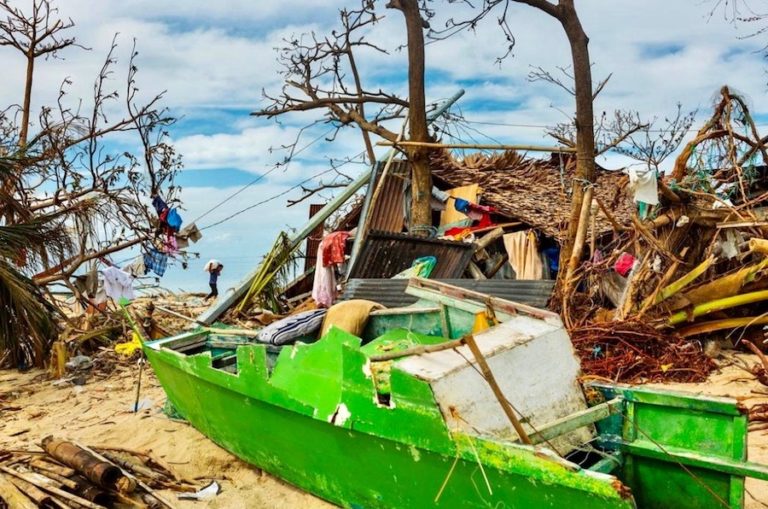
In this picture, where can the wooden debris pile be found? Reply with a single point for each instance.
(637, 352)
(66, 474)
(692, 269)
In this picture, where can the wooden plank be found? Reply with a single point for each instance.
(647, 449)
(575, 421)
(405, 311)
(478, 146)
(469, 300)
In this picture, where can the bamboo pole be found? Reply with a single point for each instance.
(488, 375)
(51, 467)
(651, 300)
(178, 315)
(684, 281)
(53, 490)
(129, 475)
(758, 246)
(478, 146)
(718, 305)
(716, 325)
(725, 286)
(13, 496)
(40, 497)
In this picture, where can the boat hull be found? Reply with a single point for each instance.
(353, 468)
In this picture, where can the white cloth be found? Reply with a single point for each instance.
(523, 251)
(324, 284)
(118, 284)
(645, 186)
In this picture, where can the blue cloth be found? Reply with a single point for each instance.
(552, 255)
(461, 205)
(214, 277)
(159, 204)
(174, 220)
(156, 261)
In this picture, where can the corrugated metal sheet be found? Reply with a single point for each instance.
(387, 254)
(387, 213)
(391, 292)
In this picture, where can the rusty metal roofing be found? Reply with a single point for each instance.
(313, 241)
(391, 292)
(387, 212)
(387, 254)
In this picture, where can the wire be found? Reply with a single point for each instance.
(260, 177)
(282, 193)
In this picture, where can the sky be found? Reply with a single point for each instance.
(215, 59)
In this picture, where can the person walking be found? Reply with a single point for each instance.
(214, 268)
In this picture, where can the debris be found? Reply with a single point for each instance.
(635, 352)
(206, 493)
(91, 480)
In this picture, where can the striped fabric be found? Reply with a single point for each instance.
(291, 328)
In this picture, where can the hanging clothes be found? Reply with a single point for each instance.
(324, 284)
(645, 186)
(191, 232)
(137, 268)
(174, 219)
(523, 250)
(118, 284)
(156, 261)
(333, 246)
(170, 246)
(159, 204)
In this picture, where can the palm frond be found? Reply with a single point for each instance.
(270, 280)
(27, 326)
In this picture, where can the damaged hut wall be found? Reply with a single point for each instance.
(313, 241)
(384, 255)
(387, 214)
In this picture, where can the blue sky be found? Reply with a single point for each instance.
(215, 58)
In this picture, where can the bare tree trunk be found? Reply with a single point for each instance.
(421, 177)
(26, 108)
(585, 136)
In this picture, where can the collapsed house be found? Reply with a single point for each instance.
(669, 259)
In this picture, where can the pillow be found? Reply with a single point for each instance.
(291, 328)
(350, 316)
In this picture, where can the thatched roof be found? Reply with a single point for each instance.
(532, 190)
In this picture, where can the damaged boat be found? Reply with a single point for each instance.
(410, 415)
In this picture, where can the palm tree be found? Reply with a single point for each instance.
(27, 320)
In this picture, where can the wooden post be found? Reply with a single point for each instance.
(488, 375)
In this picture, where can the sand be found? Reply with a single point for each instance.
(100, 413)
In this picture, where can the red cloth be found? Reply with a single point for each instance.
(333, 247)
(624, 264)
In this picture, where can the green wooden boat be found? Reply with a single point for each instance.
(426, 431)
